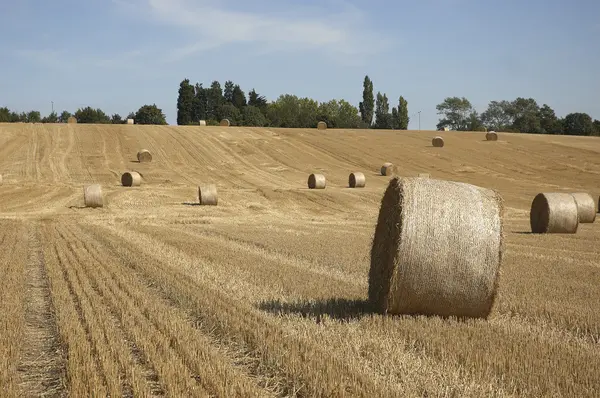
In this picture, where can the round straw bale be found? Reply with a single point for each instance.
(130, 121)
(387, 169)
(202, 122)
(92, 196)
(436, 257)
(322, 125)
(437, 142)
(424, 175)
(357, 180)
(491, 136)
(316, 181)
(72, 119)
(144, 156)
(586, 207)
(0, 179)
(225, 123)
(207, 195)
(554, 213)
(131, 179)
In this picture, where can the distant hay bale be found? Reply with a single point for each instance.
(207, 195)
(357, 180)
(144, 156)
(0, 179)
(316, 181)
(72, 119)
(131, 179)
(225, 123)
(130, 121)
(92, 196)
(387, 169)
(491, 136)
(202, 122)
(424, 175)
(437, 142)
(554, 213)
(586, 207)
(436, 257)
(322, 125)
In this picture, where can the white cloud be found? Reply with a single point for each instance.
(299, 29)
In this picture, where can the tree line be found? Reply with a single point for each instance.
(214, 103)
(523, 115)
(146, 114)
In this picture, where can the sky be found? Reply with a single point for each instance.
(120, 54)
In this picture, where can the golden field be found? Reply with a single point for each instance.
(265, 294)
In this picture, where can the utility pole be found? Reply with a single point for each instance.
(419, 120)
(52, 106)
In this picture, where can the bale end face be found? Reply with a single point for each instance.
(586, 207)
(202, 122)
(491, 136)
(322, 126)
(387, 169)
(144, 156)
(130, 121)
(71, 120)
(554, 213)
(207, 195)
(437, 142)
(316, 181)
(131, 179)
(225, 123)
(357, 180)
(436, 257)
(92, 196)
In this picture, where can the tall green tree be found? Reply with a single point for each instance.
(549, 122)
(395, 118)
(497, 116)
(228, 111)
(252, 116)
(348, 116)
(91, 115)
(116, 119)
(383, 117)
(34, 117)
(200, 104)
(51, 118)
(238, 97)
(228, 91)
(455, 113)
(474, 122)
(64, 116)
(367, 105)
(257, 100)
(403, 118)
(5, 115)
(150, 114)
(597, 126)
(525, 113)
(214, 100)
(579, 124)
(185, 103)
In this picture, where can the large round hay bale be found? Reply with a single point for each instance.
(92, 196)
(387, 169)
(437, 249)
(586, 207)
(130, 121)
(225, 123)
(316, 181)
(554, 213)
(144, 156)
(357, 180)
(491, 136)
(131, 179)
(322, 125)
(72, 119)
(202, 122)
(207, 195)
(437, 142)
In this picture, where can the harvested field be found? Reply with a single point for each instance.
(265, 294)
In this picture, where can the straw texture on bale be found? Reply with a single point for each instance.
(92, 196)
(144, 156)
(436, 257)
(554, 212)
(131, 179)
(387, 169)
(130, 121)
(225, 123)
(437, 142)
(586, 207)
(322, 126)
(491, 136)
(207, 195)
(202, 122)
(316, 181)
(357, 180)
(72, 119)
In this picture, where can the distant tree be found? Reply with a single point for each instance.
(403, 118)
(238, 97)
(228, 111)
(64, 117)
(525, 113)
(51, 118)
(367, 105)
(579, 124)
(228, 91)
(474, 122)
(284, 112)
(456, 112)
(185, 103)
(383, 117)
(497, 116)
(131, 115)
(116, 119)
(200, 104)
(348, 116)
(5, 115)
(549, 122)
(597, 126)
(150, 114)
(91, 115)
(252, 116)
(395, 118)
(214, 100)
(34, 117)
(259, 101)
(328, 112)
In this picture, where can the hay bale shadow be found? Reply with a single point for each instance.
(134, 161)
(77, 207)
(190, 203)
(336, 308)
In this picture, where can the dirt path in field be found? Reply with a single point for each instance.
(42, 365)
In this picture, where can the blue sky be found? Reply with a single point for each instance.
(120, 54)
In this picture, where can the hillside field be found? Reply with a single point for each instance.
(265, 294)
